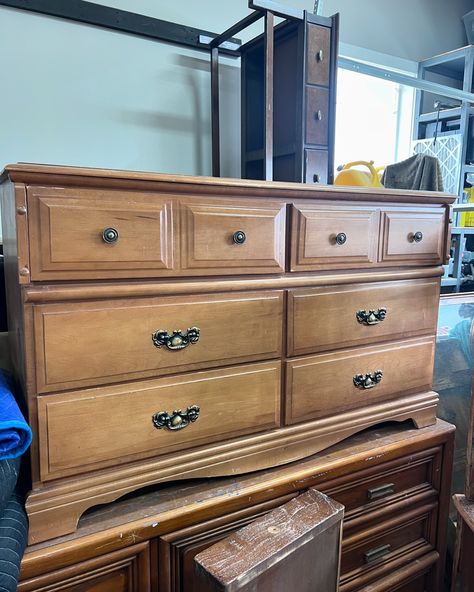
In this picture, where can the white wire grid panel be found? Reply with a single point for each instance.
(447, 150)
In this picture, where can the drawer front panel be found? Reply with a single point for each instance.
(80, 234)
(381, 545)
(333, 238)
(101, 427)
(318, 50)
(245, 237)
(317, 115)
(387, 484)
(321, 319)
(324, 384)
(125, 570)
(89, 343)
(316, 166)
(413, 236)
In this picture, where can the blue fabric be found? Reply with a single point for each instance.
(15, 433)
(13, 537)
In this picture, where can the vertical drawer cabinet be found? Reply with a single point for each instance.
(304, 101)
(167, 328)
(393, 482)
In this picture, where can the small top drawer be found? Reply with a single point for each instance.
(333, 237)
(413, 236)
(87, 234)
(318, 56)
(229, 238)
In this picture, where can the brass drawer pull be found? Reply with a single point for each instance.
(110, 236)
(371, 317)
(368, 381)
(381, 491)
(319, 55)
(177, 340)
(341, 238)
(376, 553)
(177, 420)
(318, 115)
(239, 237)
(416, 237)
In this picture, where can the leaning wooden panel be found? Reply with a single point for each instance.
(298, 542)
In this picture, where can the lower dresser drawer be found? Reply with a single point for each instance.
(374, 553)
(98, 342)
(374, 493)
(325, 384)
(96, 428)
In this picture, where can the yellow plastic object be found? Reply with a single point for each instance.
(356, 178)
(467, 218)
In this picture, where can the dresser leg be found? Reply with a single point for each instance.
(425, 417)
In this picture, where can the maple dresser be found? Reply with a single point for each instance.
(166, 328)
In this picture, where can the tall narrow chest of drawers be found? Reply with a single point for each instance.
(165, 328)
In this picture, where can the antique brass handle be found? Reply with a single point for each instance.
(177, 340)
(381, 491)
(416, 237)
(341, 238)
(110, 235)
(239, 237)
(319, 55)
(177, 420)
(368, 381)
(318, 115)
(371, 317)
(376, 553)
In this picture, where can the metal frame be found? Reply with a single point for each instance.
(124, 21)
(419, 83)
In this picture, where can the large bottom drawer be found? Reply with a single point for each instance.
(325, 384)
(376, 552)
(101, 427)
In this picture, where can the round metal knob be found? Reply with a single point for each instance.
(110, 235)
(417, 237)
(318, 115)
(341, 238)
(239, 237)
(316, 178)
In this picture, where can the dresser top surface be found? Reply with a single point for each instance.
(119, 179)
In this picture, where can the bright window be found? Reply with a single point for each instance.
(373, 119)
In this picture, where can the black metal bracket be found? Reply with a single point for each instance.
(124, 21)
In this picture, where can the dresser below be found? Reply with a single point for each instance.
(394, 482)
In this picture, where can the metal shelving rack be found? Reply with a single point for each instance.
(454, 69)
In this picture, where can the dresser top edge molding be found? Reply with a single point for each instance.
(36, 174)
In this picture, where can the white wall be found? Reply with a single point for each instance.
(80, 95)
(409, 29)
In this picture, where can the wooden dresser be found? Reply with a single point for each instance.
(393, 481)
(166, 328)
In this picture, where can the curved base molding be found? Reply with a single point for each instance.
(55, 509)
